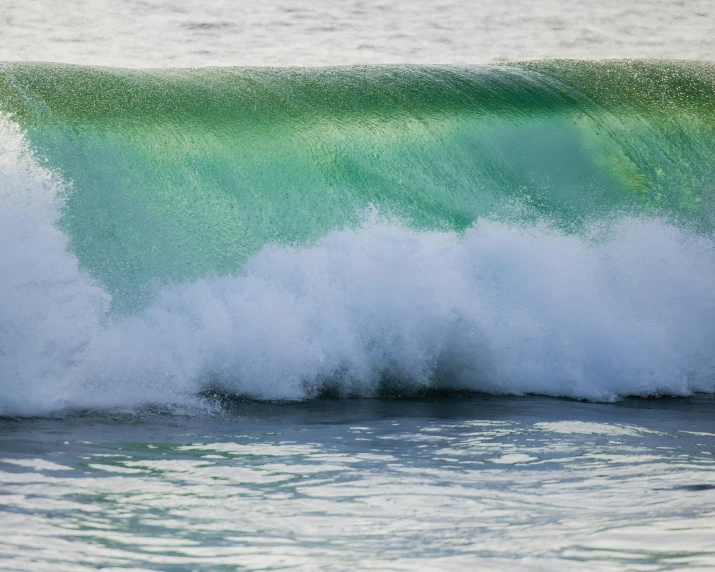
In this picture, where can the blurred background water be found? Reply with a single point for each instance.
(158, 33)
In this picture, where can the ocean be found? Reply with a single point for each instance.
(373, 286)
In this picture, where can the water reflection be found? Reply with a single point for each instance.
(480, 483)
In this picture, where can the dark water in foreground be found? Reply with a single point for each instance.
(462, 483)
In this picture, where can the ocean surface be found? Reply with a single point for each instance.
(373, 286)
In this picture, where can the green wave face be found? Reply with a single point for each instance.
(178, 174)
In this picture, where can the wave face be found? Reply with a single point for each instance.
(283, 233)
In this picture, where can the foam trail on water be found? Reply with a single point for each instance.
(626, 309)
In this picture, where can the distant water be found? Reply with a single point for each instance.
(166, 33)
(441, 314)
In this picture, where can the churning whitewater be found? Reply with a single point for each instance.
(513, 236)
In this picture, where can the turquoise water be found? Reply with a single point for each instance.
(181, 174)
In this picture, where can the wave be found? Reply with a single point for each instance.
(284, 233)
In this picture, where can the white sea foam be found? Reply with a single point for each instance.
(48, 311)
(628, 309)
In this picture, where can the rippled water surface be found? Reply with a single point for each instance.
(484, 482)
(143, 33)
